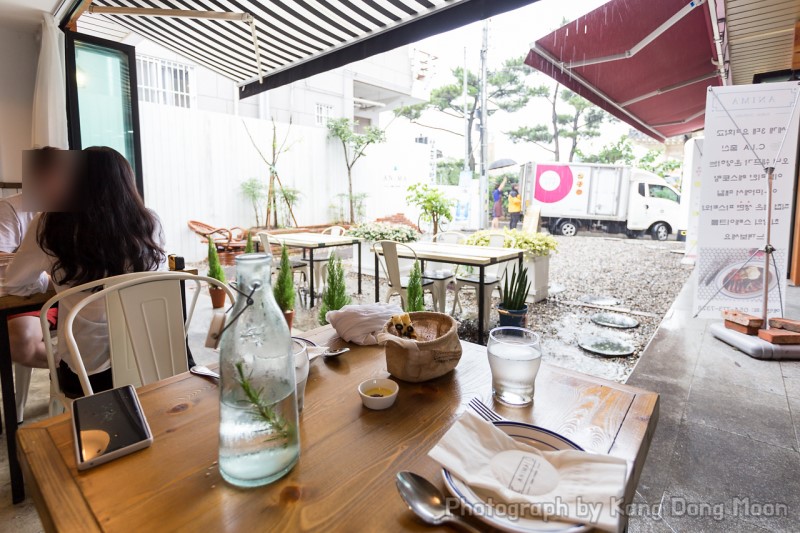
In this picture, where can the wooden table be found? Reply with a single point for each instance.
(457, 254)
(314, 241)
(344, 480)
(9, 306)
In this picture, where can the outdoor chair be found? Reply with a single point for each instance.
(146, 329)
(442, 273)
(226, 239)
(391, 267)
(321, 258)
(298, 267)
(492, 277)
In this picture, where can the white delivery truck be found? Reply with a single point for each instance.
(612, 198)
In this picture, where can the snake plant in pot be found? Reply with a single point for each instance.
(513, 310)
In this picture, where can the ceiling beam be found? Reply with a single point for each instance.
(796, 50)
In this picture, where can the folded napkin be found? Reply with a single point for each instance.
(361, 324)
(567, 485)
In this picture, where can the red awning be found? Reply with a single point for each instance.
(646, 62)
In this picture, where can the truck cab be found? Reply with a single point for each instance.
(653, 206)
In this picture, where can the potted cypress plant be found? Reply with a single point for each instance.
(415, 299)
(215, 271)
(248, 246)
(284, 287)
(335, 295)
(513, 310)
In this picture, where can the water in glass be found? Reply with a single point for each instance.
(514, 358)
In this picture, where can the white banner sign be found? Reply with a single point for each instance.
(745, 128)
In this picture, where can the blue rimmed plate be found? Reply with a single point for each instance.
(541, 439)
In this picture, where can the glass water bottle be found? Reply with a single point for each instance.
(258, 430)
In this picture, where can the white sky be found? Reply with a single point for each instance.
(510, 35)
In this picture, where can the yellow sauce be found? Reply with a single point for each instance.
(379, 392)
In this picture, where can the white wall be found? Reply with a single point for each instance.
(194, 163)
(19, 55)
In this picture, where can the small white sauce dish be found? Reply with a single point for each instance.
(378, 394)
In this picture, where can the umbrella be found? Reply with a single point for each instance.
(502, 163)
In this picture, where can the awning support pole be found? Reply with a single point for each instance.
(638, 47)
(185, 13)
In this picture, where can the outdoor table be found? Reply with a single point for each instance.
(313, 241)
(345, 478)
(457, 254)
(9, 306)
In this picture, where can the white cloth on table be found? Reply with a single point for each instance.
(361, 324)
(567, 485)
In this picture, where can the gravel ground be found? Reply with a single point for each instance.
(642, 274)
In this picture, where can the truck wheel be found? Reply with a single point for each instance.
(660, 232)
(568, 228)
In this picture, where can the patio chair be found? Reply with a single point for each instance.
(391, 267)
(492, 278)
(146, 330)
(298, 267)
(442, 273)
(227, 239)
(321, 258)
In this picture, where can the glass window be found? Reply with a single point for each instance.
(165, 82)
(323, 114)
(662, 191)
(641, 189)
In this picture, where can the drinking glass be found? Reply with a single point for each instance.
(514, 358)
(301, 368)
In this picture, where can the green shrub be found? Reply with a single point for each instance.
(335, 296)
(214, 268)
(534, 244)
(415, 298)
(379, 231)
(284, 283)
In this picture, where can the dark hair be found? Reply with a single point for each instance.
(110, 232)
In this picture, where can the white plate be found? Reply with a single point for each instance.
(539, 438)
(733, 267)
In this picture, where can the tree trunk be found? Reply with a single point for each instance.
(350, 195)
(435, 225)
(554, 117)
(574, 147)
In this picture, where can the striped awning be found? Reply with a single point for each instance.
(296, 38)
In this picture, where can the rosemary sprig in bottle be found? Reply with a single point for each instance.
(260, 409)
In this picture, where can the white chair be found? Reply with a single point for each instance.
(492, 277)
(298, 267)
(22, 382)
(391, 267)
(321, 259)
(146, 330)
(442, 273)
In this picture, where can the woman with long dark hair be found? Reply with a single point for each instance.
(93, 226)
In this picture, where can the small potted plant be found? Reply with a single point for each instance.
(248, 246)
(215, 271)
(513, 310)
(415, 299)
(335, 295)
(284, 287)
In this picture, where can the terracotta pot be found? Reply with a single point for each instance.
(217, 297)
(289, 316)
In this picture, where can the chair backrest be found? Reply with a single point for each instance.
(336, 231)
(450, 237)
(391, 261)
(147, 333)
(497, 240)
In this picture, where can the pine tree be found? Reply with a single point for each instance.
(284, 283)
(335, 296)
(214, 268)
(415, 300)
(248, 247)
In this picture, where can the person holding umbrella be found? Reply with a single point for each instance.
(497, 210)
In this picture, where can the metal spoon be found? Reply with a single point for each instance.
(204, 371)
(427, 502)
(335, 353)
